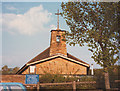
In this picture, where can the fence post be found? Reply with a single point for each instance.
(74, 86)
(38, 86)
(31, 87)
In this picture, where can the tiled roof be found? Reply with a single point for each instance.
(72, 57)
(45, 54)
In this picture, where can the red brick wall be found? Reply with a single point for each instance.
(57, 47)
(59, 65)
(13, 78)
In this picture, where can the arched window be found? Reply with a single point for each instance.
(58, 38)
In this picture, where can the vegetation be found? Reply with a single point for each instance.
(57, 78)
(6, 71)
(114, 74)
(95, 24)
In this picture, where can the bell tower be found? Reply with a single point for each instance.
(57, 45)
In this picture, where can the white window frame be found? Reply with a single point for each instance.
(32, 69)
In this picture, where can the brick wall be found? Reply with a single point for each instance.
(13, 78)
(59, 66)
(57, 47)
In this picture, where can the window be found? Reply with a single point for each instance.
(32, 69)
(58, 38)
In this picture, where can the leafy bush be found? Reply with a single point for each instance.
(114, 74)
(57, 78)
(86, 78)
(50, 78)
(86, 86)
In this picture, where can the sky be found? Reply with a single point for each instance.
(26, 32)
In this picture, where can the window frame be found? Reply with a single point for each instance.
(32, 69)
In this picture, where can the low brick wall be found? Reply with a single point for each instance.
(13, 78)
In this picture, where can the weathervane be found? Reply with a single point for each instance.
(58, 19)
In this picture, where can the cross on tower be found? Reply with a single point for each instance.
(58, 19)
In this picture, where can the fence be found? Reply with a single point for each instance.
(99, 84)
(73, 84)
(65, 83)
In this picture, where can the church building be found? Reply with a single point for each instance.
(55, 59)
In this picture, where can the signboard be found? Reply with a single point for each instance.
(32, 79)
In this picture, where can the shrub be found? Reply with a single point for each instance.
(57, 78)
(50, 78)
(86, 86)
(86, 78)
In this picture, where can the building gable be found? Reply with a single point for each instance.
(57, 65)
(70, 58)
(59, 56)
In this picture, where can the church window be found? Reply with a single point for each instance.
(58, 38)
(32, 69)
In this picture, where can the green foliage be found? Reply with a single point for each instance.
(5, 70)
(50, 78)
(58, 87)
(99, 76)
(56, 78)
(114, 74)
(94, 23)
(86, 86)
(82, 79)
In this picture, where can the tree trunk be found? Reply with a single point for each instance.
(107, 82)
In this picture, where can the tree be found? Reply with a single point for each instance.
(94, 24)
(15, 70)
(6, 70)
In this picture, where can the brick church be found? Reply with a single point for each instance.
(55, 59)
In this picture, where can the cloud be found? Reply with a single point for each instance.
(29, 23)
(50, 13)
(11, 8)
